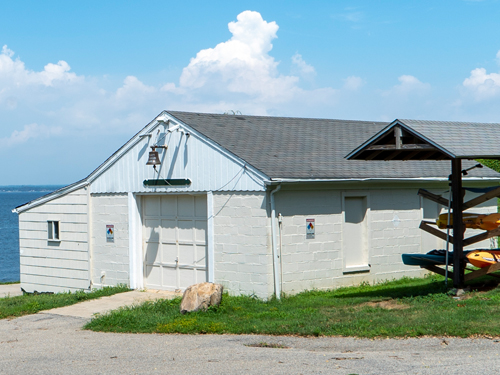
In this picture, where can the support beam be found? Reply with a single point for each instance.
(483, 271)
(433, 197)
(458, 231)
(482, 198)
(438, 270)
(482, 236)
(435, 232)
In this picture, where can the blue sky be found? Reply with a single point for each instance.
(78, 79)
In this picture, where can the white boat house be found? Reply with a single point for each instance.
(262, 205)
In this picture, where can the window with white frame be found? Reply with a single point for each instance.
(53, 230)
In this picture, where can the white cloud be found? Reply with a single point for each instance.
(242, 64)
(408, 85)
(482, 85)
(352, 83)
(31, 131)
(13, 72)
(301, 67)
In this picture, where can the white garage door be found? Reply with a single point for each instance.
(175, 244)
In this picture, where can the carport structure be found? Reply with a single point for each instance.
(441, 140)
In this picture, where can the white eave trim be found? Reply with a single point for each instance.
(274, 181)
(46, 198)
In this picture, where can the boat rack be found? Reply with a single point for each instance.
(426, 226)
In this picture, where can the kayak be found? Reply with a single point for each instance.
(483, 258)
(472, 221)
(434, 257)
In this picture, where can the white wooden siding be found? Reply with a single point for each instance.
(209, 168)
(55, 266)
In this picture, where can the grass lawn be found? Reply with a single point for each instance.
(402, 308)
(31, 304)
(9, 282)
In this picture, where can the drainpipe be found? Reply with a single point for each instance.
(276, 258)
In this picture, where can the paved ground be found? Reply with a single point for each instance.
(10, 290)
(53, 343)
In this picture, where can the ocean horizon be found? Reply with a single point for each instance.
(12, 196)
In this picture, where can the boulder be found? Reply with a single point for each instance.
(200, 297)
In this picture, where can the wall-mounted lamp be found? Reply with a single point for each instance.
(154, 158)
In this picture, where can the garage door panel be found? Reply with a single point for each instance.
(201, 255)
(152, 230)
(187, 277)
(186, 254)
(201, 276)
(152, 206)
(200, 206)
(153, 274)
(169, 278)
(169, 206)
(169, 253)
(186, 233)
(200, 231)
(168, 230)
(185, 206)
(152, 253)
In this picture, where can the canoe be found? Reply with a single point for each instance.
(472, 221)
(434, 257)
(484, 257)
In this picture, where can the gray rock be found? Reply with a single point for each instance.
(201, 297)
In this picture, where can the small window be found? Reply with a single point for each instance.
(53, 230)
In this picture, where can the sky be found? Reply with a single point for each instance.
(78, 79)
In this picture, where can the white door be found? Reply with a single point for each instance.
(175, 241)
(355, 241)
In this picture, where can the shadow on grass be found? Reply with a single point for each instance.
(432, 287)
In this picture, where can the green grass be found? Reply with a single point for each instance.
(419, 307)
(9, 282)
(31, 304)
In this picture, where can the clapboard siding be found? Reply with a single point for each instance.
(54, 254)
(69, 264)
(51, 265)
(45, 283)
(42, 227)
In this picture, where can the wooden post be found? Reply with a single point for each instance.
(458, 232)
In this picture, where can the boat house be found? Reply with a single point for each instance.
(263, 205)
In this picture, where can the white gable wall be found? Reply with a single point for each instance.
(194, 157)
(55, 266)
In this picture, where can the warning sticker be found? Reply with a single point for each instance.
(110, 233)
(310, 228)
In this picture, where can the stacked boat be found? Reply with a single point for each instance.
(480, 257)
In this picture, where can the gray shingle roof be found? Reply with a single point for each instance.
(462, 139)
(304, 148)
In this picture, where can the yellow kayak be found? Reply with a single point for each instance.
(483, 258)
(472, 221)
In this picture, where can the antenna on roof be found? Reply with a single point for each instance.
(232, 112)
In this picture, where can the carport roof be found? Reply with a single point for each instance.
(306, 148)
(431, 140)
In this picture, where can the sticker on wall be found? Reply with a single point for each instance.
(310, 228)
(110, 233)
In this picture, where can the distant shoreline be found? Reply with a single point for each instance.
(29, 188)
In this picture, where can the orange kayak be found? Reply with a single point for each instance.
(472, 221)
(483, 258)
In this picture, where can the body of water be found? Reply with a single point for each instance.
(10, 198)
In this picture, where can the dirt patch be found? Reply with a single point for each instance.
(387, 305)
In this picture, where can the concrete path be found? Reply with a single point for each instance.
(102, 305)
(11, 290)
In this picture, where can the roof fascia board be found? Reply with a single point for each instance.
(235, 158)
(48, 197)
(408, 179)
(108, 163)
(386, 130)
